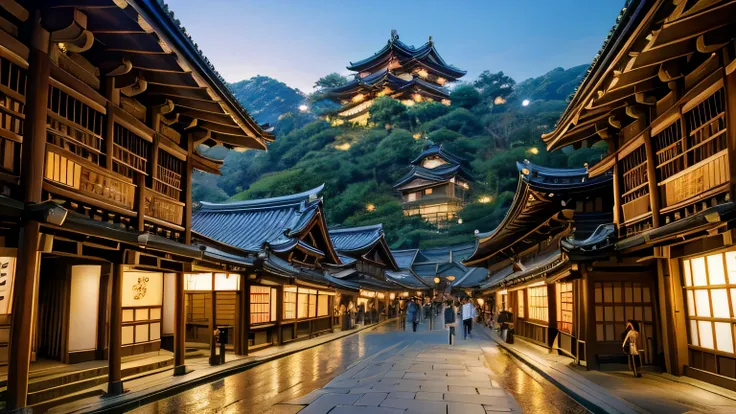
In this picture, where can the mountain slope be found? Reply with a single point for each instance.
(266, 99)
(359, 165)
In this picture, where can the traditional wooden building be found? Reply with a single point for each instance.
(529, 275)
(407, 73)
(662, 94)
(365, 257)
(104, 105)
(441, 269)
(286, 241)
(435, 187)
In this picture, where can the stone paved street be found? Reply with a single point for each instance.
(415, 377)
(386, 370)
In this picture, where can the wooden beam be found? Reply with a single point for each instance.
(712, 41)
(189, 168)
(114, 363)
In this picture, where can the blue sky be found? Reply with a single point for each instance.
(299, 41)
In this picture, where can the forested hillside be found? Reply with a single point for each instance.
(266, 99)
(487, 123)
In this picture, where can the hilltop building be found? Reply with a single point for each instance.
(407, 73)
(435, 187)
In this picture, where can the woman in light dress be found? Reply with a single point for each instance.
(631, 346)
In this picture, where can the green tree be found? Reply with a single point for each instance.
(333, 80)
(465, 96)
(494, 85)
(388, 112)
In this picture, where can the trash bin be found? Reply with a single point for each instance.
(510, 336)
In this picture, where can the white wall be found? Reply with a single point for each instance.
(83, 307)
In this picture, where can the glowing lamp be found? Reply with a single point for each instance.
(370, 207)
(485, 199)
(459, 221)
(392, 296)
(534, 150)
(436, 280)
(451, 278)
(303, 108)
(499, 100)
(525, 171)
(525, 102)
(359, 97)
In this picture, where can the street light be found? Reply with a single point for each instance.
(437, 280)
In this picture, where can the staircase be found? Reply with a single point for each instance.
(55, 386)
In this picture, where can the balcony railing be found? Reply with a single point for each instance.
(695, 181)
(161, 207)
(69, 170)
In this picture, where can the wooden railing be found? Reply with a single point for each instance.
(69, 170)
(164, 208)
(130, 152)
(697, 180)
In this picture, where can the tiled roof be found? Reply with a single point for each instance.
(256, 224)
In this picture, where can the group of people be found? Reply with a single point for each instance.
(453, 311)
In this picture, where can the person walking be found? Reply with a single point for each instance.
(413, 314)
(450, 320)
(631, 346)
(468, 315)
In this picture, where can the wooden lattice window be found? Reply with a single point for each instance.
(74, 126)
(13, 80)
(538, 304)
(635, 183)
(668, 145)
(260, 304)
(289, 302)
(565, 307)
(130, 152)
(618, 302)
(710, 290)
(706, 127)
(168, 181)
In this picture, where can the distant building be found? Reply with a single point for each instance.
(436, 186)
(407, 73)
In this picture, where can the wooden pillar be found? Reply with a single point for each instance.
(140, 202)
(188, 191)
(246, 315)
(730, 89)
(102, 312)
(616, 198)
(331, 305)
(113, 96)
(279, 314)
(241, 336)
(114, 361)
(180, 328)
(214, 360)
(32, 169)
(551, 313)
(652, 175)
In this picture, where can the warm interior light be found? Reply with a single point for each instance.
(417, 97)
(343, 147)
(392, 296)
(359, 97)
(525, 171)
(441, 81)
(534, 150)
(436, 280)
(422, 73)
(485, 199)
(451, 278)
(370, 207)
(446, 102)
(418, 135)
(503, 292)
(535, 284)
(499, 100)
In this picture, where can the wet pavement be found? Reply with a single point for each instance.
(268, 387)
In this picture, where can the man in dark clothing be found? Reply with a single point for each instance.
(450, 320)
(413, 314)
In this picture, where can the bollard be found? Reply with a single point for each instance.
(223, 340)
(214, 360)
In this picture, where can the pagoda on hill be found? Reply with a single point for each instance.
(435, 187)
(407, 73)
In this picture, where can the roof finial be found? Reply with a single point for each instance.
(394, 34)
(430, 39)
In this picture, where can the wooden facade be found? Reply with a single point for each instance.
(662, 94)
(103, 108)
